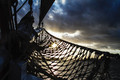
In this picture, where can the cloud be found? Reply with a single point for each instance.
(98, 21)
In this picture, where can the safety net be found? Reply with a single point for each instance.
(62, 60)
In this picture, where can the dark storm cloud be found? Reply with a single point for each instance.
(89, 14)
(99, 20)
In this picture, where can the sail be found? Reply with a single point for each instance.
(45, 6)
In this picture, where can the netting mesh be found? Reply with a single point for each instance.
(61, 60)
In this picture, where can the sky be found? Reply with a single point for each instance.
(91, 23)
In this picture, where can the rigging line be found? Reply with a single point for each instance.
(59, 60)
(44, 60)
(69, 62)
(39, 18)
(46, 63)
(15, 16)
(42, 31)
(20, 8)
(39, 13)
(30, 2)
(68, 51)
(11, 19)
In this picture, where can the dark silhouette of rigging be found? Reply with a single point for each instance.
(46, 56)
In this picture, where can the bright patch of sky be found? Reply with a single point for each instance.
(36, 2)
(22, 0)
(65, 34)
(93, 46)
(90, 45)
(76, 33)
(114, 51)
(63, 2)
(57, 8)
(24, 9)
(50, 16)
(58, 11)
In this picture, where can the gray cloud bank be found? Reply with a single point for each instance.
(97, 20)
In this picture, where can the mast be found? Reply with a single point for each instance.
(7, 23)
(4, 17)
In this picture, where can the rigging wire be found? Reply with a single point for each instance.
(15, 16)
(20, 7)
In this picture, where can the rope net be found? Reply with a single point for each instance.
(62, 60)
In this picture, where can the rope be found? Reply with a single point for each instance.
(11, 19)
(20, 7)
(30, 2)
(15, 12)
(68, 61)
(39, 15)
(44, 60)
